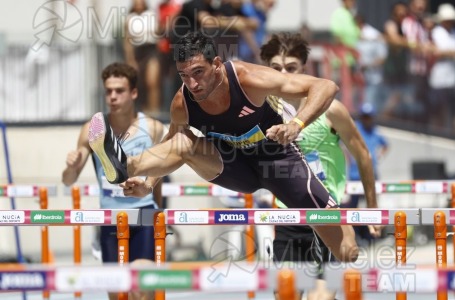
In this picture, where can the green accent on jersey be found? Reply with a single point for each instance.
(318, 137)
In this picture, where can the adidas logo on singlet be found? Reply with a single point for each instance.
(245, 111)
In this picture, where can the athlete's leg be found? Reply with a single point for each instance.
(292, 181)
(340, 240)
(183, 148)
(320, 292)
(214, 161)
(142, 295)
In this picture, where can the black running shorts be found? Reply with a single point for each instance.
(280, 169)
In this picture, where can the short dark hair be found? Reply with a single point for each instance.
(121, 70)
(193, 44)
(287, 44)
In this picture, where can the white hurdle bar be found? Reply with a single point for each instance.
(207, 189)
(26, 191)
(352, 188)
(217, 276)
(223, 216)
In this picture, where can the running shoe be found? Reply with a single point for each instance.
(107, 147)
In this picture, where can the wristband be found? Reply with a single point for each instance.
(299, 122)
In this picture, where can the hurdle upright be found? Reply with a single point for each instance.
(77, 255)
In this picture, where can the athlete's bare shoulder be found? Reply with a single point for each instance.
(240, 66)
(257, 81)
(248, 69)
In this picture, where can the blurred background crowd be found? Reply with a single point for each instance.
(398, 56)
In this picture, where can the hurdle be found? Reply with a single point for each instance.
(345, 217)
(242, 277)
(159, 221)
(123, 236)
(425, 187)
(401, 235)
(24, 191)
(20, 257)
(430, 188)
(249, 234)
(286, 285)
(385, 217)
(77, 257)
(440, 236)
(120, 279)
(45, 252)
(352, 284)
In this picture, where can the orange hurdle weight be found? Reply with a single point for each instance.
(286, 285)
(160, 238)
(45, 257)
(123, 236)
(43, 201)
(249, 239)
(401, 234)
(160, 246)
(76, 195)
(440, 236)
(352, 280)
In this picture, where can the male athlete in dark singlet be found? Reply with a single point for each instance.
(246, 144)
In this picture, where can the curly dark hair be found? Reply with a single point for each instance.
(121, 70)
(287, 44)
(193, 44)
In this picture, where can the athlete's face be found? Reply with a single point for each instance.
(119, 96)
(287, 64)
(199, 76)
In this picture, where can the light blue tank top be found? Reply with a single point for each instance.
(111, 195)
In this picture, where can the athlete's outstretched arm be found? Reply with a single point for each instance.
(180, 146)
(134, 187)
(341, 121)
(76, 159)
(260, 81)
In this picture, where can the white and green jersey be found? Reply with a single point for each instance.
(320, 145)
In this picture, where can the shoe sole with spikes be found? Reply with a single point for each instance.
(104, 144)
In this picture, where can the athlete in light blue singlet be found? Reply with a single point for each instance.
(143, 132)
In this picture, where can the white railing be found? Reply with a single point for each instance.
(53, 84)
